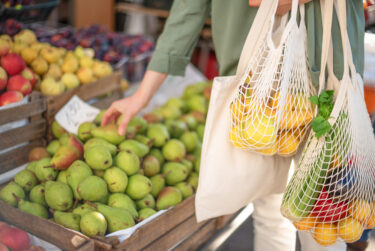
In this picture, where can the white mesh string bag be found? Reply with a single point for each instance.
(331, 193)
(271, 111)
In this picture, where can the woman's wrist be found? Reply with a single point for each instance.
(149, 85)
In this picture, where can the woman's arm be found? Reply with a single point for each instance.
(284, 5)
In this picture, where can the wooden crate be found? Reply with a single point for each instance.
(30, 135)
(99, 89)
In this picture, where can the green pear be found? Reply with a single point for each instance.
(197, 103)
(117, 218)
(98, 157)
(37, 195)
(68, 220)
(98, 118)
(193, 180)
(44, 171)
(83, 209)
(109, 133)
(63, 140)
(57, 129)
(174, 150)
(7, 193)
(170, 112)
(168, 197)
(76, 173)
(190, 140)
(138, 187)
(158, 183)
(64, 157)
(32, 208)
(62, 176)
(150, 166)
(92, 188)
(96, 141)
(144, 140)
(158, 133)
(53, 146)
(116, 179)
(136, 147)
(197, 164)
(145, 213)
(190, 121)
(179, 103)
(147, 201)
(153, 117)
(188, 164)
(26, 179)
(157, 154)
(136, 125)
(32, 166)
(175, 172)
(200, 132)
(104, 200)
(176, 127)
(93, 224)
(84, 131)
(185, 189)
(197, 88)
(128, 162)
(58, 195)
(99, 173)
(120, 200)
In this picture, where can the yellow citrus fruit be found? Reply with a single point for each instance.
(302, 102)
(336, 162)
(239, 110)
(305, 224)
(294, 119)
(325, 234)
(349, 229)
(289, 105)
(370, 223)
(288, 144)
(234, 139)
(360, 210)
(260, 132)
(271, 150)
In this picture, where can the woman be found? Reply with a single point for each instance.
(231, 21)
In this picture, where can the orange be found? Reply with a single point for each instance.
(294, 119)
(349, 229)
(288, 106)
(305, 224)
(236, 141)
(360, 210)
(271, 150)
(325, 234)
(288, 143)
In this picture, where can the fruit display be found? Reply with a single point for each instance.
(99, 182)
(12, 238)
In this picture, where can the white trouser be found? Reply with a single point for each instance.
(273, 232)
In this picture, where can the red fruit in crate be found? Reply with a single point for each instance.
(327, 210)
(15, 239)
(4, 47)
(3, 226)
(3, 79)
(10, 97)
(13, 63)
(19, 83)
(207, 92)
(29, 75)
(3, 247)
(64, 157)
(38, 153)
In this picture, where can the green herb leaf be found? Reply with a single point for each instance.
(314, 100)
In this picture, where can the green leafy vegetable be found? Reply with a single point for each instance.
(325, 104)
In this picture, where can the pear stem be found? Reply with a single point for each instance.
(16, 197)
(52, 211)
(75, 203)
(91, 204)
(50, 166)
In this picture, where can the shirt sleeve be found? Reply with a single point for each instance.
(179, 37)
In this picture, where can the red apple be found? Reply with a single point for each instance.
(4, 47)
(13, 63)
(15, 239)
(10, 97)
(29, 75)
(3, 79)
(3, 247)
(19, 83)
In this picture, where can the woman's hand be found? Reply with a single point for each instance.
(284, 5)
(128, 107)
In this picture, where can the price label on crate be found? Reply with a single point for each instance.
(74, 113)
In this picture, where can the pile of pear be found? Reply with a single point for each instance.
(56, 68)
(98, 182)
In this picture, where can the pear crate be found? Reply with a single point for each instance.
(100, 94)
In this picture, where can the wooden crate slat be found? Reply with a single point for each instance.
(159, 226)
(104, 103)
(44, 229)
(18, 156)
(180, 232)
(34, 107)
(22, 134)
(198, 238)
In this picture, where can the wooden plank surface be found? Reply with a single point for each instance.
(34, 107)
(33, 130)
(198, 238)
(18, 156)
(159, 226)
(174, 236)
(138, 8)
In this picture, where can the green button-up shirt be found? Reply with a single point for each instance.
(231, 22)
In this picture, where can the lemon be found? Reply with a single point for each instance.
(289, 103)
(305, 224)
(360, 210)
(288, 144)
(325, 234)
(294, 119)
(349, 229)
(233, 137)
(260, 131)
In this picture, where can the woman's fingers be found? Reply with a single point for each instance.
(124, 123)
(108, 115)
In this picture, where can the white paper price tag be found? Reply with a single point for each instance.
(74, 113)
